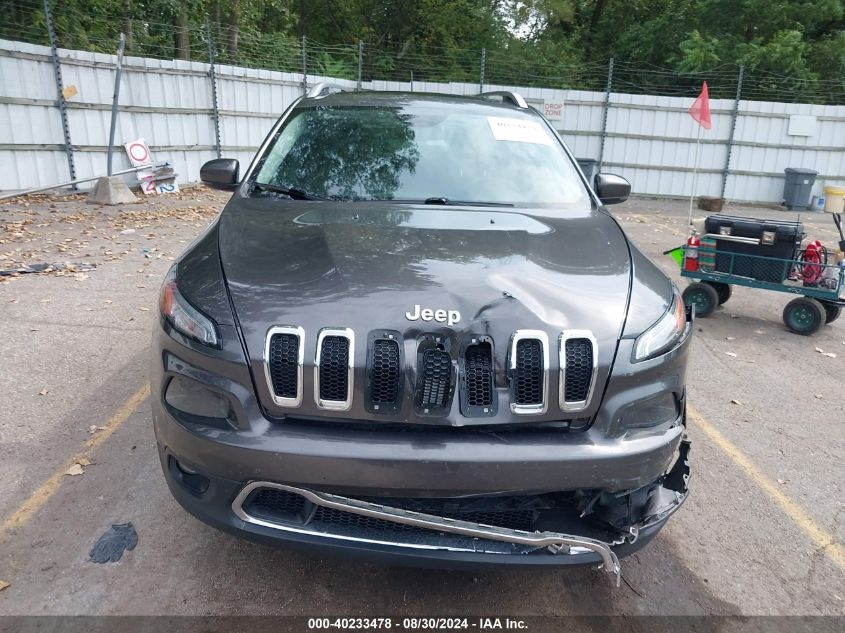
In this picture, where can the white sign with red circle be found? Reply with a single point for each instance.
(138, 152)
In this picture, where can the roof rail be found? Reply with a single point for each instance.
(506, 95)
(322, 89)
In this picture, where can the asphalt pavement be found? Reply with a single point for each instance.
(761, 534)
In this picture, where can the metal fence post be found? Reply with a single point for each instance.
(734, 116)
(483, 64)
(304, 65)
(360, 61)
(605, 111)
(121, 44)
(215, 109)
(57, 71)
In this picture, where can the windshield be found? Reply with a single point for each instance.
(418, 153)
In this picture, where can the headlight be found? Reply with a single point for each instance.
(663, 335)
(184, 317)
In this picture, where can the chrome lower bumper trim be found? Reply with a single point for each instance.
(553, 541)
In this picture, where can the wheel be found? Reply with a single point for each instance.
(804, 315)
(723, 290)
(703, 296)
(831, 312)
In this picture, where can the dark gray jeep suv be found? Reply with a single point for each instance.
(415, 334)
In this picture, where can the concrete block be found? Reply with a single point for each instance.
(111, 190)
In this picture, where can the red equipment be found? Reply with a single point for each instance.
(691, 259)
(812, 257)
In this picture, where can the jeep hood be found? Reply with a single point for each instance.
(364, 265)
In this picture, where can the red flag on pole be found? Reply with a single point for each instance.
(700, 109)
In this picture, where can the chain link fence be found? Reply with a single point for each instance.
(152, 36)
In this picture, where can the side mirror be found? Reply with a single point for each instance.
(220, 173)
(612, 189)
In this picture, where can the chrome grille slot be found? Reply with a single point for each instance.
(528, 371)
(283, 358)
(385, 371)
(578, 365)
(333, 369)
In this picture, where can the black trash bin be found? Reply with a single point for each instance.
(797, 187)
(589, 166)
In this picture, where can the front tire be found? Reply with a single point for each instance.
(804, 315)
(703, 297)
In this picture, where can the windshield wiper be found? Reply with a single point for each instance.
(465, 203)
(290, 192)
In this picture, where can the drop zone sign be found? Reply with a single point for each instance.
(553, 111)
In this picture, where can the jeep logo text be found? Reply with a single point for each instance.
(449, 317)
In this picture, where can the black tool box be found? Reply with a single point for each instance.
(758, 238)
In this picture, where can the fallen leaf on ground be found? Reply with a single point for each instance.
(731, 354)
(781, 481)
(4, 584)
(819, 396)
(43, 392)
(74, 470)
(736, 402)
(83, 461)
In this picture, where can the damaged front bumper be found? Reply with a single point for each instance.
(663, 499)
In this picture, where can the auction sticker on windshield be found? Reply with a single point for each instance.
(507, 129)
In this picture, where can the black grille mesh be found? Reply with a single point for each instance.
(283, 364)
(334, 368)
(514, 519)
(436, 371)
(274, 504)
(528, 377)
(478, 375)
(385, 372)
(579, 369)
(287, 507)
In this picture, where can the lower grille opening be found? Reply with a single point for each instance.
(275, 505)
(555, 512)
(528, 375)
(578, 369)
(288, 507)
